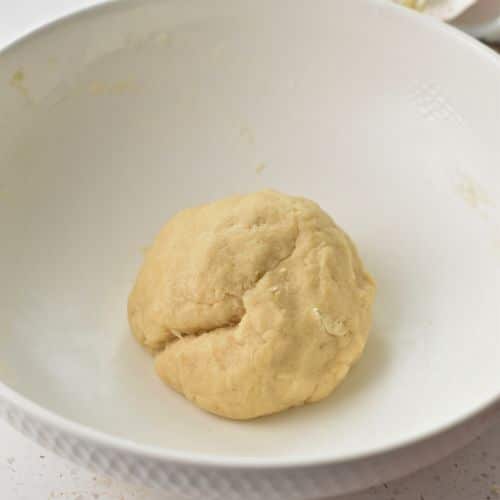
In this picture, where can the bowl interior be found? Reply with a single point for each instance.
(117, 118)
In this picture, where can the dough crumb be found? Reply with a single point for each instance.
(260, 168)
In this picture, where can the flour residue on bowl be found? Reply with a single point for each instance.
(260, 168)
(52, 61)
(472, 193)
(138, 40)
(18, 82)
(115, 88)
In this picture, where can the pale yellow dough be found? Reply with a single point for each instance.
(252, 304)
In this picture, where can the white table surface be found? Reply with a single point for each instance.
(28, 472)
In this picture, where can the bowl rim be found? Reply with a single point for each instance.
(83, 432)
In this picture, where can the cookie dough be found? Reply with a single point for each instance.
(252, 304)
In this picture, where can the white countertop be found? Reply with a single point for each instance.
(28, 472)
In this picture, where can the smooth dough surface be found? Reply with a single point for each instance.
(252, 304)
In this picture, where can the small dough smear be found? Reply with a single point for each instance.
(252, 304)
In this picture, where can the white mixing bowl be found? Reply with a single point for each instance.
(115, 118)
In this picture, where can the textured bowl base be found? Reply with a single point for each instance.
(207, 483)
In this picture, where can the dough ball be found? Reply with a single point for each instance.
(252, 304)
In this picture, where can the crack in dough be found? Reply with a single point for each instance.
(178, 335)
